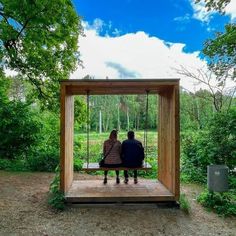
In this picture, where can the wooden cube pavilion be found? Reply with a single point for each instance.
(167, 185)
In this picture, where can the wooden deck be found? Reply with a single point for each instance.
(94, 191)
(95, 167)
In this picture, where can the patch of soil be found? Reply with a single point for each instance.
(24, 211)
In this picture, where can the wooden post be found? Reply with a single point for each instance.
(168, 140)
(67, 139)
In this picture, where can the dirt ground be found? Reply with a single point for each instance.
(24, 211)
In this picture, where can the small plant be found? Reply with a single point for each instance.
(56, 197)
(221, 203)
(184, 203)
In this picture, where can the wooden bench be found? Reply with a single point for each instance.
(95, 167)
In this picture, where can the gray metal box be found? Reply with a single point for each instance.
(217, 178)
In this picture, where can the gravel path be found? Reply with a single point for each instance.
(24, 211)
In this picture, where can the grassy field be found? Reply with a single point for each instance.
(96, 145)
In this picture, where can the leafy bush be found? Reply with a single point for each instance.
(193, 165)
(18, 129)
(44, 156)
(215, 145)
(56, 197)
(184, 203)
(13, 165)
(4, 164)
(222, 203)
(78, 164)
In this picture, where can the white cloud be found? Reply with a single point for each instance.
(184, 18)
(134, 55)
(97, 25)
(231, 9)
(201, 13)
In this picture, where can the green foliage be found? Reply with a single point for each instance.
(4, 88)
(232, 182)
(39, 40)
(44, 155)
(221, 52)
(216, 145)
(222, 139)
(122, 112)
(195, 109)
(27, 137)
(193, 166)
(78, 164)
(218, 5)
(79, 111)
(13, 165)
(184, 203)
(222, 203)
(18, 129)
(56, 197)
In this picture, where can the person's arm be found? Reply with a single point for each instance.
(122, 152)
(120, 148)
(104, 148)
(141, 151)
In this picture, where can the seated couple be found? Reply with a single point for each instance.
(129, 154)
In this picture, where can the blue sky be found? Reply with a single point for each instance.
(169, 20)
(146, 38)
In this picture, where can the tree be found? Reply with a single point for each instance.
(218, 5)
(38, 39)
(220, 95)
(222, 53)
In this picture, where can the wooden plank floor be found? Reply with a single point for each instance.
(94, 191)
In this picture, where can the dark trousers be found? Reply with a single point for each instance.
(106, 172)
(127, 175)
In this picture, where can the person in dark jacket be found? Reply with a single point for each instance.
(132, 152)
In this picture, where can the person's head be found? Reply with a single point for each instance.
(130, 134)
(113, 134)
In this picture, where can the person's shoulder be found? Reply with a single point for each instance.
(138, 142)
(125, 141)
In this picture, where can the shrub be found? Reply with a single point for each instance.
(44, 156)
(78, 164)
(222, 203)
(184, 203)
(56, 197)
(4, 164)
(215, 145)
(18, 129)
(193, 165)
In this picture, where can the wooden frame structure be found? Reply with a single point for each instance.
(168, 134)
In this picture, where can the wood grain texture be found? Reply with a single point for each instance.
(96, 191)
(95, 167)
(168, 140)
(67, 140)
(112, 86)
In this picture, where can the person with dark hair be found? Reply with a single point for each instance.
(112, 155)
(132, 153)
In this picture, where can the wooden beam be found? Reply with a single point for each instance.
(67, 136)
(99, 87)
(168, 140)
